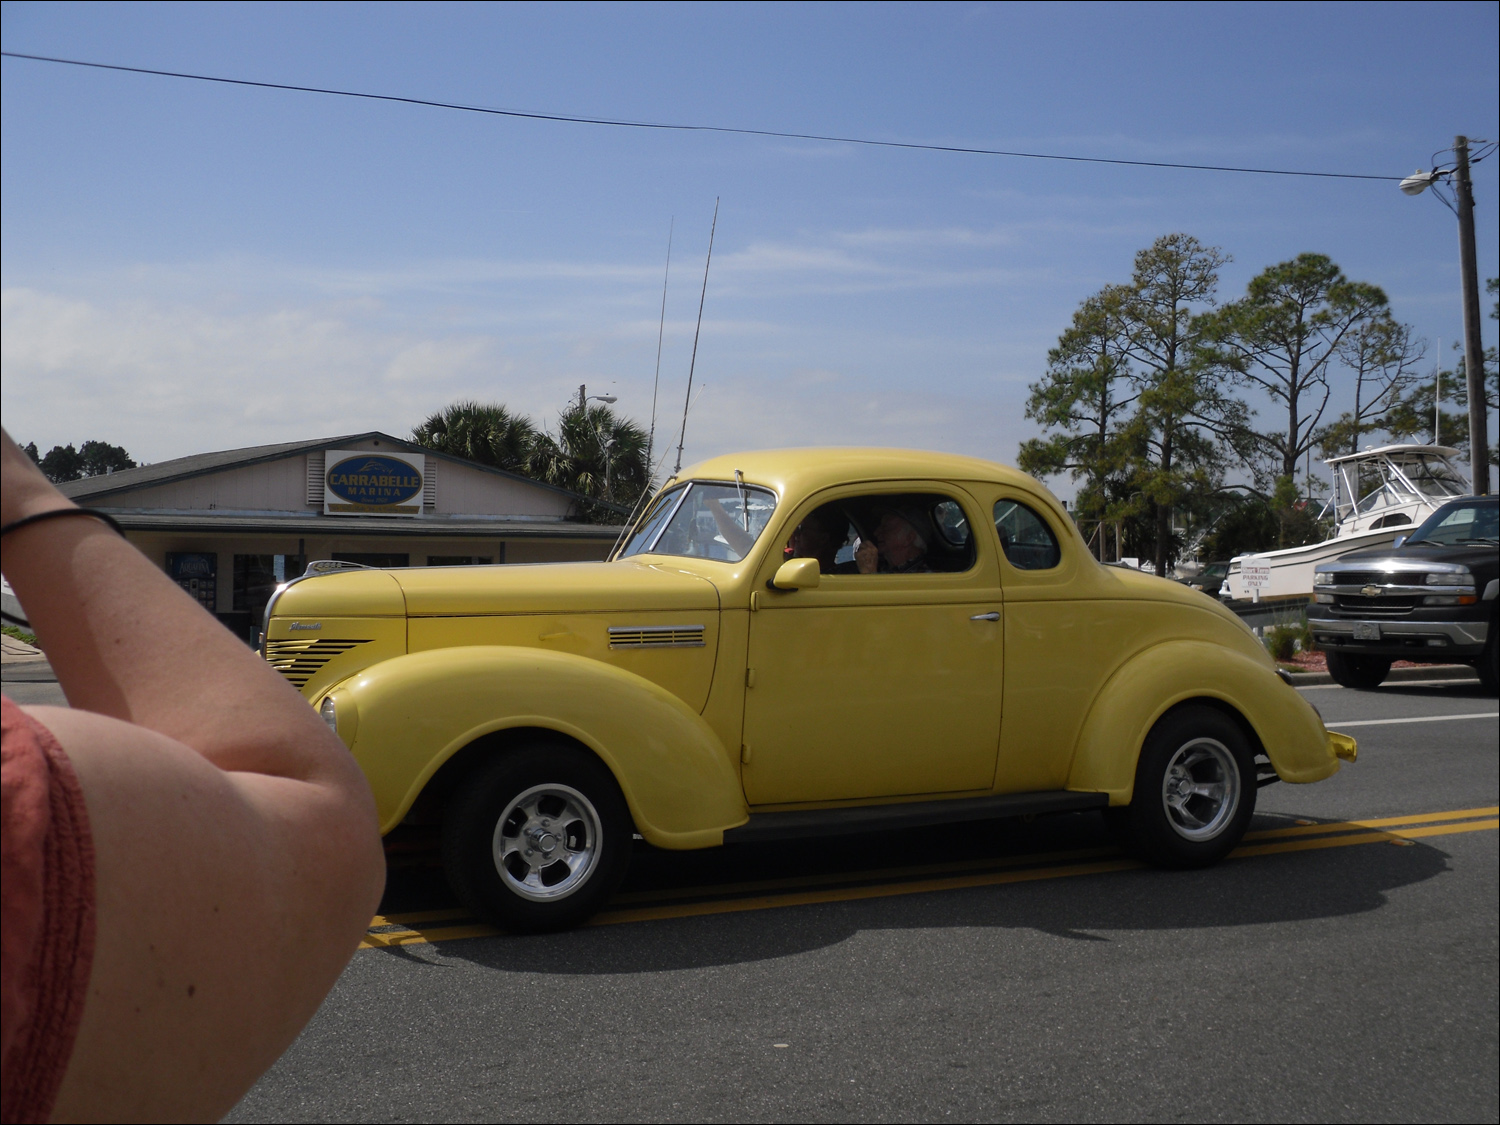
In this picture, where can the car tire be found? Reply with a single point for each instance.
(1194, 790)
(1363, 673)
(537, 839)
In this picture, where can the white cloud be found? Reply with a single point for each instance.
(169, 360)
(165, 378)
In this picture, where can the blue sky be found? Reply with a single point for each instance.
(190, 267)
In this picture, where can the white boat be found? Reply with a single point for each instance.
(1378, 494)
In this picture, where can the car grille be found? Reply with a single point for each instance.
(300, 661)
(1357, 605)
(656, 636)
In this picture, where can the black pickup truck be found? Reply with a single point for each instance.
(1431, 598)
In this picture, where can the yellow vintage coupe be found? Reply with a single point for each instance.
(791, 644)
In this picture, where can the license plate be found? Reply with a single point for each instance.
(1366, 631)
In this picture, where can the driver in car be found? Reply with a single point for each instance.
(819, 536)
(896, 547)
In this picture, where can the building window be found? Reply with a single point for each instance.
(458, 560)
(197, 573)
(256, 578)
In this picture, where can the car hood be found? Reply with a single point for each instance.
(1420, 552)
(572, 588)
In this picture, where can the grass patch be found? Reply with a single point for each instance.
(20, 635)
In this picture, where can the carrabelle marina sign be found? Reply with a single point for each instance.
(362, 483)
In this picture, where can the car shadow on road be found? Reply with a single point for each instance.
(1292, 887)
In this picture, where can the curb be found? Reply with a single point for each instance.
(1396, 675)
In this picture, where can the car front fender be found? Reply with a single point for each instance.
(405, 717)
(1159, 678)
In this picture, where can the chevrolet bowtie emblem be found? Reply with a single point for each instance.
(1371, 591)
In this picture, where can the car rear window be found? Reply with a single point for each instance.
(1025, 538)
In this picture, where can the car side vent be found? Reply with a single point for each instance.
(656, 636)
(300, 661)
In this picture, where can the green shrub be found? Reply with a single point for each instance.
(1281, 641)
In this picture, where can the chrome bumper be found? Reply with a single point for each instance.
(1343, 747)
(1473, 633)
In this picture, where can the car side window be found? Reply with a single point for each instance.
(897, 533)
(1025, 538)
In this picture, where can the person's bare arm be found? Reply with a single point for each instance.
(740, 541)
(238, 860)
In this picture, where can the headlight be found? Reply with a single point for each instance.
(1323, 578)
(341, 714)
(1464, 577)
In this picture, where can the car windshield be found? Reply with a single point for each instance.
(1461, 525)
(704, 519)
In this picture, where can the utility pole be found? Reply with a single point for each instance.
(1479, 446)
(582, 396)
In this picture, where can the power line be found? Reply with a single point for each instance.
(674, 127)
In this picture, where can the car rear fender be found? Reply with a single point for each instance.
(412, 713)
(1159, 678)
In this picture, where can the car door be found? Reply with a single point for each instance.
(876, 685)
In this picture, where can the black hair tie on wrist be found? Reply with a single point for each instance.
(58, 513)
(53, 514)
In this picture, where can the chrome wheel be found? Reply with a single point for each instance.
(547, 842)
(1201, 789)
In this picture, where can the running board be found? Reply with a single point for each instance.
(890, 818)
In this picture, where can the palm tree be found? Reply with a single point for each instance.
(598, 454)
(483, 432)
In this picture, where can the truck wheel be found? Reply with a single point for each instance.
(1364, 673)
(1488, 664)
(538, 839)
(1194, 790)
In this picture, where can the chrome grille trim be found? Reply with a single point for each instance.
(1356, 605)
(299, 660)
(656, 636)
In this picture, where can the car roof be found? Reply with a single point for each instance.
(801, 472)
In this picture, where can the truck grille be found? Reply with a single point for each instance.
(1357, 605)
(656, 636)
(300, 661)
(1361, 578)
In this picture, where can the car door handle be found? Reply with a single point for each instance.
(992, 615)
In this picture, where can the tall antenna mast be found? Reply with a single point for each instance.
(651, 437)
(682, 438)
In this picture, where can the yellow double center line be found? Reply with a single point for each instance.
(688, 902)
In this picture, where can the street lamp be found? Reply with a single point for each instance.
(1468, 269)
(606, 445)
(584, 398)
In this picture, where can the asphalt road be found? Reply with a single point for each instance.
(1331, 971)
(1021, 971)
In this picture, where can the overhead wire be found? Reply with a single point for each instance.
(621, 123)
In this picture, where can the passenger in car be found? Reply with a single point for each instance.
(896, 547)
